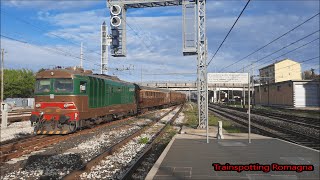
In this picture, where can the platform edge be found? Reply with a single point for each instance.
(153, 171)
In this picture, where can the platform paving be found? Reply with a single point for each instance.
(188, 156)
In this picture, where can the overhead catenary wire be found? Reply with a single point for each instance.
(19, 35)
(173, 73)
(228, 32)
(301, 62)
(281, 49)
(57, 51)
(272, 41)
(289, 52)
(310, 59)
(50, 33)
(26, 43)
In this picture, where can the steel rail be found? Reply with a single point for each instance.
(94, 161)
(24, 146)
(148, 150)
(268, 129)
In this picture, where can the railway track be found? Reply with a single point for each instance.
(304, 121)
(143, 156)
(299, 120)
(19, 147)
(17, 116)
(129, 169)
(264, 126)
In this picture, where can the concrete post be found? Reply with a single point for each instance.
(4, 117)
(214, 96)
(249, 110)
(2, 69)
(219, 134)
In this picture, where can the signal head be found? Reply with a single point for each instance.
(115, 21)
(115, 10)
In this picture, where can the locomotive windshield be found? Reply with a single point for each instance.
(63, 85)
(42, 86)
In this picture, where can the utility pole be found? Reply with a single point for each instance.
(81, 56)
(252, 80)
(249, 109)
(4, 106)
(2, 65)
(219, 94)
(105, 43)
(233, 100)
(259, 90)
(244, 93)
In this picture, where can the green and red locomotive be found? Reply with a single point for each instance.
(68, 99)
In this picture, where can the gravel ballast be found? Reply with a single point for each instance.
(61, 158)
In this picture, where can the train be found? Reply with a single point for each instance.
(69, 99)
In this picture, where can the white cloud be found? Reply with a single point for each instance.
(158, 46)
(47, 5)
(22, 55)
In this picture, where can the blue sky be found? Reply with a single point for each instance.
(49, 33)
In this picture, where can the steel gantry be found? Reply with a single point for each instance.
(194, 38)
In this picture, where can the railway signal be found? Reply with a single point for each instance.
(117, 15)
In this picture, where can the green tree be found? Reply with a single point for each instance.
(310, 74)
(18, 83)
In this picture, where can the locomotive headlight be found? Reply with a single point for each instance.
(66, 105)
(38, 105)
(69, 106)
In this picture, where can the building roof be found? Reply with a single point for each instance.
(277, 63)
(293, 81)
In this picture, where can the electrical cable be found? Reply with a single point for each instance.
(271, 41)
(283, 48)
(229, 32)
(289, 51)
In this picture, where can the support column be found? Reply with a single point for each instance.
(202, 67)
(215, 99)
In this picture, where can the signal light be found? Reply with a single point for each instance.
(69, 106)
(115, 10)
(115, 21)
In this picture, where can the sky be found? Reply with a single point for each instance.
(47, 33)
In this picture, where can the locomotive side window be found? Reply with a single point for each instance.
(42, 86)
(63, 85)
(83, 87)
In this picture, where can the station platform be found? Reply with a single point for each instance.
(189, 156)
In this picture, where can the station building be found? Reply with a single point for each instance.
(283, 70)
(281, 85)
(292, 93)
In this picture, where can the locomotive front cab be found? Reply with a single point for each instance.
(56, 101)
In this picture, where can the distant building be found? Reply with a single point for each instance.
(297, 94)
(283, 70)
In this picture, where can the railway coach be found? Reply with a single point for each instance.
(69, 99)
(150, 98)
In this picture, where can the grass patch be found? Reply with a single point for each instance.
(143, 140)
(166, 138)
(191, 114)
